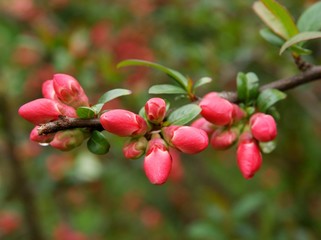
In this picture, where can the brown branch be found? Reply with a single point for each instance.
(313, 73)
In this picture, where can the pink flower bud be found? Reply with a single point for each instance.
(187, 139)
(69, 91)
(263, 127)
(155, 109)
(157, 162)
(68, 139)
(203, 124)
(249, 157)
(123, 123)
(216, 110)
(177, 172)
(44, 110)
(135, 148)
(34, 136)
(238, 113)
(41, 110)
(223, 139)
(48, 90)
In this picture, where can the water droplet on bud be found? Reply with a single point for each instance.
(44, 144)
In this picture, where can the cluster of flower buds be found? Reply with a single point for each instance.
(224, 122)
(150, 136)
(62, 96)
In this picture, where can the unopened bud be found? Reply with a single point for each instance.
(187, 139)
(216, 110)
(157, 162)
(223, 139)
(155, 109)
(135, 148)
(69, 91)
(123, 123)
(263, 127)
(249, 157)
(68, 139)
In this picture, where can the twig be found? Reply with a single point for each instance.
(313, 73)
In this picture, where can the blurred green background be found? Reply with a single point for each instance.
(47, 194)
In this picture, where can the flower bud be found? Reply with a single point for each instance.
(41, 110)
(177, 172)
(69, 91)
(48, 90)
(187, 139)
(34, 136)
(203, 124)
(263, 127)
(157, 162)
(155, 109)
(238, 113)
(223, 139)
(68, 139)
(216, 110)
(249, 158)
(123, 123)
(135, 148)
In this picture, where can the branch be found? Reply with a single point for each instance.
(313, 73)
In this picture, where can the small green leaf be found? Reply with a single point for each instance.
(276, 17)
(202, 81)
(310, 20)
(85, 112)
(301, 37)
(97, 143)
(247, 86)
(267, 147)
(177, 76)
(166, 89)
(184, 114)
(271, 37)
(268, 98)
(112, 94)
(108, 96)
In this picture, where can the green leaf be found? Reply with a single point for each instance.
(98, 143)
(166, 89)
(247, 86)
(310, 20)
(267, 147)
(202, 81)
(85, 112)
(268, 98)
(271, 37)
(184, 114)
(301, 37)
(276, 17)
(177, 76)
(108, 96)
(112, 94)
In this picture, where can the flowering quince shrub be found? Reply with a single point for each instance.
(64, 118)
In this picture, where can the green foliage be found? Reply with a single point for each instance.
(247, 87)
(178, 77)
(299, 38)
(310, 19)
(166, 89)
(97, 143)
(276, 17)
(184, 114)
(85, 112)
(268, 98)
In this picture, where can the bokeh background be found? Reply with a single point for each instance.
(48, 194)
